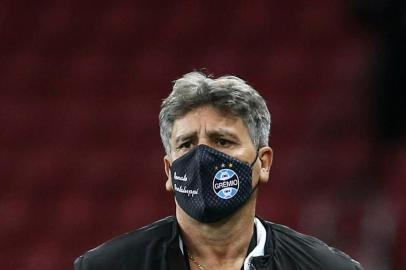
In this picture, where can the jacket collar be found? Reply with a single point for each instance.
(175, 259)
(265, 262)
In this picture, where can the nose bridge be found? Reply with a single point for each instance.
(203, 138)
(204, 141)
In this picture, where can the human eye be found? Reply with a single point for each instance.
(184, 145)
(224, 142)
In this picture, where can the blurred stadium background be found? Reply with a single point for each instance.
(80, 89)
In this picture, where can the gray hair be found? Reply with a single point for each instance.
(227, 93)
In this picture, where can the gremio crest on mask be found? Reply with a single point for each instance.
(226, 183)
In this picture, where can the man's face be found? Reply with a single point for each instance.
(223, 131)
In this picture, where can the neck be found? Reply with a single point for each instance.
(219, 245)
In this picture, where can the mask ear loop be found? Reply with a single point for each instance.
(252, 164)
(255, 159)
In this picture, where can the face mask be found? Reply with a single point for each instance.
(210, 185)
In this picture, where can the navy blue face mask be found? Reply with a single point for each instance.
(210, 185)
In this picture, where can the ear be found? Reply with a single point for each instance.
(266, 157)
(167, 164)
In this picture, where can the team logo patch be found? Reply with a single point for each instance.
(226, 183)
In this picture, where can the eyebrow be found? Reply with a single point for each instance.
(212, 134)
(222, 132)
(183, 137)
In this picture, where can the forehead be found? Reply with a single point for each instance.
(209, 118)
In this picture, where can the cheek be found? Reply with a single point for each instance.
(255, 174)
(242, 154)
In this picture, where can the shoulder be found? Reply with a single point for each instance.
(129, 248)
(293, 247)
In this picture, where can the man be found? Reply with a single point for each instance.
(215, 133)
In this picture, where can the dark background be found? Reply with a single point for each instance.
(80, 89)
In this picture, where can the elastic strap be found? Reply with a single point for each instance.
(256, 156)
(252, 164)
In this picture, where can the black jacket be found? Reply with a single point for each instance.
(156, 247)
